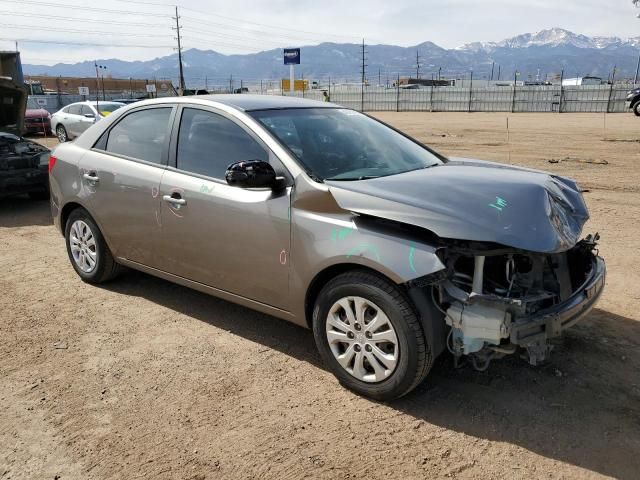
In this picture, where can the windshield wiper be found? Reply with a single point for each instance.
(352, 179)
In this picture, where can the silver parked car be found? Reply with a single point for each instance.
(323, 216)
(72, 120)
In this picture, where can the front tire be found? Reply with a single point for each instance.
(636, 108)
(369, 335)
(88, 252)
(61, 133)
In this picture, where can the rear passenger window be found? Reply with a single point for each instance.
(141, 135)
(75, 109)
(86, 110)
(208, 143)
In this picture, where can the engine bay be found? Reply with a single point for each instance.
(486, 293)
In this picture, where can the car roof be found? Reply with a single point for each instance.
(93, 102)
(246, 102)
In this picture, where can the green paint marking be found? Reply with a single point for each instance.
(499, 204)
(344, 233)
(362, 248)
(411, 264)
(341, 234)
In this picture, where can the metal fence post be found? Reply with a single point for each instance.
(613, 79)
(513, 99)
(398, 94)
(431, 97)
(561, 91)
(470, 92)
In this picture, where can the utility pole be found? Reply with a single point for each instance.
(379, 77)
(635, 80)
(364, 66)
(177, 29)
(417, 64)
(493, 64)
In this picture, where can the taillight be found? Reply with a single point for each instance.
(52, 162)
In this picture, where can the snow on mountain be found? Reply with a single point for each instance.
(553, 37)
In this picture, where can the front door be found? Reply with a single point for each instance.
(230, 238)
(121, 177)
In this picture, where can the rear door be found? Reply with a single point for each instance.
(226, 237)
(121, 177)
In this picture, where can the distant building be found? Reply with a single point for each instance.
(427, 82)
(569, 82)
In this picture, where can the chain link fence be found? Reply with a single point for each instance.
(528, 98)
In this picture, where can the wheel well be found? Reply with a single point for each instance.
(66, 211)
(321, 279)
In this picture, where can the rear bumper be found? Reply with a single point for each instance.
(37, 126)
(537, 329)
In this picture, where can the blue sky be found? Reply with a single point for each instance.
(141, 29)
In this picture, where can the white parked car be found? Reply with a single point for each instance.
(72, 120)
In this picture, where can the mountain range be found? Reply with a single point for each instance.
(531, 54)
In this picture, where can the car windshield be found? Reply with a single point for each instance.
(342, 144)
(32, 104)
(107, 107)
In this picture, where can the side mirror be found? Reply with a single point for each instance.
(252, 174)
(89, 115)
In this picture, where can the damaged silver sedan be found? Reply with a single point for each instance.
(323, 216)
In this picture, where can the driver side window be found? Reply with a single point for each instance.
(208, 143)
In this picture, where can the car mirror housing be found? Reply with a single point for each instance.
(89, 115)
(252, 174)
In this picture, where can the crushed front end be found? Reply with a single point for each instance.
(498, 301)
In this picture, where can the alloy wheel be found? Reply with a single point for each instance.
(362, 339)
(83, 246)
(61, 133)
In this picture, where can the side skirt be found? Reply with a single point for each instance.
(224, 295)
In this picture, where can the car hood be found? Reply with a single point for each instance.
(13, 93)
(36, 113)
(474, 200)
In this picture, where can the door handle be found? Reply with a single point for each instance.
(91, 177)
(174, 200)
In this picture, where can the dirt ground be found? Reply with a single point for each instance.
(145, 379)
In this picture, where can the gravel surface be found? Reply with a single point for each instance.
(141, 378)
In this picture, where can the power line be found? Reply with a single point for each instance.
(258, 33)
(52, 29)
(90, 9)
(83, 44)
(276, 27)
(88, 20)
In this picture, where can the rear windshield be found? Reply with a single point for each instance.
(106, 108)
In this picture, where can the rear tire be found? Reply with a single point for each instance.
(61, 133)
(636, 108)
(401, 363)
(88, 252)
